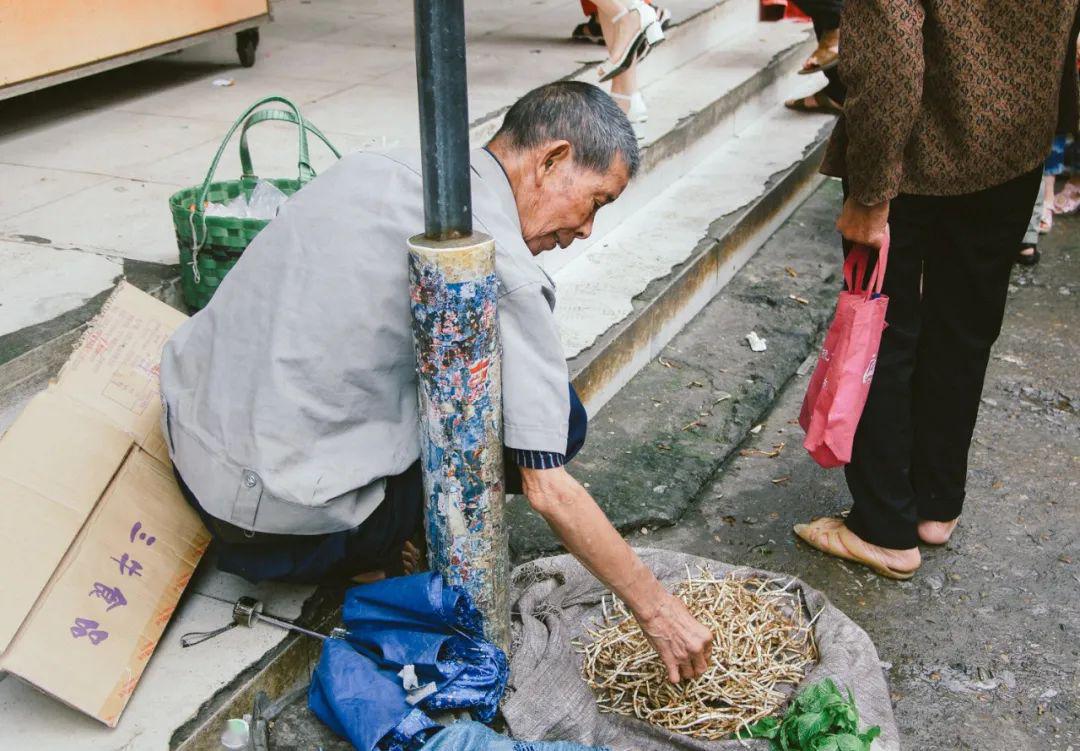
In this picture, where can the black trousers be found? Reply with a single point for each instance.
(337, 556)
(826, 17)
(947, 282)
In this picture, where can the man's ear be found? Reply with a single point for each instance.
(552, 155)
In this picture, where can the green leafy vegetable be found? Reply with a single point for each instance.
(819, 719)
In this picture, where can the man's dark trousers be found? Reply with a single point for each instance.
(374, 544)
(947, 282)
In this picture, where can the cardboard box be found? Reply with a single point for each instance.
(96, 541)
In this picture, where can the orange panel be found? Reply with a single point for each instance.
(40, 37)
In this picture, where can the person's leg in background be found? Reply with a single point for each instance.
(825, 15)
(618, 34)
(1029, 246)
(884, 509)
(1054, 166)
(965, 287)
(1068, 200)
(590, 30)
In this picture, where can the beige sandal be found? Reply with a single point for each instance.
(828, 535)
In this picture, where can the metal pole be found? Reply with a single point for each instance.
(455, 331)
(444, 117)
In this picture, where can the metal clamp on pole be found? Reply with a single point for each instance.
(459, 359)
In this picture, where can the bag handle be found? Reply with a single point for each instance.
(247, 173)
(856, 263)
(306, 173)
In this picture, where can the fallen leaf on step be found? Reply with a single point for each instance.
(800, 300)
(776, 449)
(791, 272)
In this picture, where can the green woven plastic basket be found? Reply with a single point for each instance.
(211, 245)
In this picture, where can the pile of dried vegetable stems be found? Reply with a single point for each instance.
(762, 646)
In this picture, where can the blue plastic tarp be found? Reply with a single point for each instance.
(414, 620)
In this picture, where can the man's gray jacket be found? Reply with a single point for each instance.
(292, 395)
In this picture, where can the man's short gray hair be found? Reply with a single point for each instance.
(577, 112)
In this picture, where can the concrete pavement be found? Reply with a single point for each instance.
(982, 647)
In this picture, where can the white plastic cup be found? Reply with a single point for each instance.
(236, 736)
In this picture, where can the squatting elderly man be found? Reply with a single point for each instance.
(291, 400)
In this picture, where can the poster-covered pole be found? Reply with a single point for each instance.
(453, 291)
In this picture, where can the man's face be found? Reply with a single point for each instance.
(563, 199)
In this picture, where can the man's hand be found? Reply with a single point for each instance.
(682, 643)
(864, 225)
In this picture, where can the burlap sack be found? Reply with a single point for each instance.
(547, 699)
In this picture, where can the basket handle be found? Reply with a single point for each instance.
(283, 116)
(305, 167)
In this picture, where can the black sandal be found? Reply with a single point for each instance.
(1024, 259)
(590, 31)
(822, 103)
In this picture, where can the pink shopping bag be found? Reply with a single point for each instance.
(841, 381)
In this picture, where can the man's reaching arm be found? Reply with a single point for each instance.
(682, 643)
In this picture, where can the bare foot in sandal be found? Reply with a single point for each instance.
(937, 533)
(826, 56)
(817, 102)
(832, 537)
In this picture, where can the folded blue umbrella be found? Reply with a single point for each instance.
(414, 620)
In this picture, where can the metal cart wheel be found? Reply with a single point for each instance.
(247, 41)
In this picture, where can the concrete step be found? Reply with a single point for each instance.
(718, 70)
(629, 294)
(697, 106)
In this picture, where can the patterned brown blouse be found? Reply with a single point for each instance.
(950, 96)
